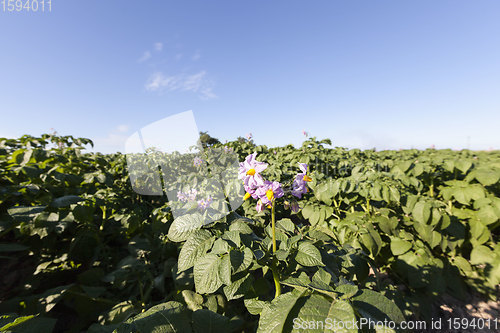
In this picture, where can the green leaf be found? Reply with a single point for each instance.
(170, 317)
(118, 313)
(371, 240)
(206, 321)
(487, 215)
(233, 238)
(206, 274)
(241, 260)
(374, 305)
(341, 311)
(399, 246)
(238, 288)
(183, 226)
(286, 225)
(308, 255)
(481, 255)
(220, 247)
(395, 195)
(240, 227)
(274, 315)
(463, 165)
(198, 243)
(193, 300)
(487, 176)
(225, 270)
(308, 310)
(479, 232)
(25, 214)
(422, 212)
(463, 264)
(254, 305)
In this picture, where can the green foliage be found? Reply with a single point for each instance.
(81, 251)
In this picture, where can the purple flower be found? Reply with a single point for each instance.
(305, 133)
(192, 194)
(260, 206)
(228, 149)
(204, 204)
(249, 136)
(181, 196)
(197, 161)
(250, 192)
(250, 171)
(299, 185)
(269, 191)
(294, 206)
(188, 196)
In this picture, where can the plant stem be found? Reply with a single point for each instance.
(274, 268)
(273, 225)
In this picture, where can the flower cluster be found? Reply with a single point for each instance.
(187, 196)
(204, 204)
(190, 195)
(228, 149)
(265, 191)
(197, 161)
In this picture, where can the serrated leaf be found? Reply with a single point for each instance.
(274, 315)
(198, 243)
(238, 288)
(206, 274)
(374, 305)
(308, 255)
(225, 270)
(341, 311)
(183, 226)
(241, 260)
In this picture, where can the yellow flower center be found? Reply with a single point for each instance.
(307, 178)
(270, 195)
(247, 195)
(251, 172)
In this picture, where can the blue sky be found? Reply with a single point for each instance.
(385, 74)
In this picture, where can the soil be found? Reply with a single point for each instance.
(476, 307)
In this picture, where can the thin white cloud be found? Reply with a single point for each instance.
(158, 46)
(145, 56)
(196, 83)
(122, 128)
(196, 56)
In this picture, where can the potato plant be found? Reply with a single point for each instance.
(374, 235)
